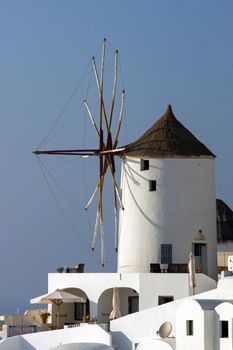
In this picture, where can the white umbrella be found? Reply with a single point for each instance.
(191, 266)
(115, 305)
(57, 297)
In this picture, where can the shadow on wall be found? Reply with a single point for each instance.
(139, 207)
(120, 341)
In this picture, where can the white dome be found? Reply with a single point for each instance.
(155, 344)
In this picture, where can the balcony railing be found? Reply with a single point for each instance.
(172, 268)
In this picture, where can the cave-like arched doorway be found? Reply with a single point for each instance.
(71, 313)
(129, 303)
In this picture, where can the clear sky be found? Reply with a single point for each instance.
(171, 51)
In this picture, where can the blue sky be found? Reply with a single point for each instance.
(178, 52)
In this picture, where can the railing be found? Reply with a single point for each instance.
(173, 268)
(21, 328)
(104, 326)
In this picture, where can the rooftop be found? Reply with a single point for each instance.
(167, 137)
(224, 221)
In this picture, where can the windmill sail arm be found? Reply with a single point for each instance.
(101, 218)
(102, 65)
(99, 91)
(72, 152)
(105, 149)
(92, 197)
(95, 230)
(120, 118)
(92, 118)
(116, 151)
(81, 152)
(114, 88)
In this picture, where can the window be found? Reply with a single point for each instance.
(224, 329)
(80, 310)
(152, 185)
(133, 304)
(163, 299)
(189, 327)
(144, 164)
(166, 253)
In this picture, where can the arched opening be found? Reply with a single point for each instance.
(129, 303)
(72, 313)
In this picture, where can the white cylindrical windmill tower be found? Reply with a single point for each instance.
(168, 193)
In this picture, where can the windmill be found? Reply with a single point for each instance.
(107, 147)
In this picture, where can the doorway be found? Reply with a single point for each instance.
(133, 302)
(200, 253)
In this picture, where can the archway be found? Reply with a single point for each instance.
(71, 313)
(129, 301)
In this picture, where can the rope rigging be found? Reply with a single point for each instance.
(79, 235)
(46, 139)
(74, 230)
(106, 151)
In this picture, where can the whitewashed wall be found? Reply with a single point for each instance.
(190, 310)
(93, 285)
(183, 203)
(224, 312)
(207, 332)
(210, 330)
(149, 286)
(225, 287)
(143, 325)
(152, 286)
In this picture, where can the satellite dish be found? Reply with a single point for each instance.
(165, 330)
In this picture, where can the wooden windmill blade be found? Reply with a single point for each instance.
(91, 117)
(81, 152)
(114, 88)
(99, 82)
(120, 119)
(106, 151)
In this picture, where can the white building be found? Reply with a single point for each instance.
(203, 321)
(206, 323)
(138, 291)
(168, 193)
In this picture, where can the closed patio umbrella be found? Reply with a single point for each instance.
(115, 305)
(57, 297)
(191, 266)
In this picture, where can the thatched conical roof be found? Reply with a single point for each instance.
(167, 137)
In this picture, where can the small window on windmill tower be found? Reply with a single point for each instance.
(144, 164)
(152, 185)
